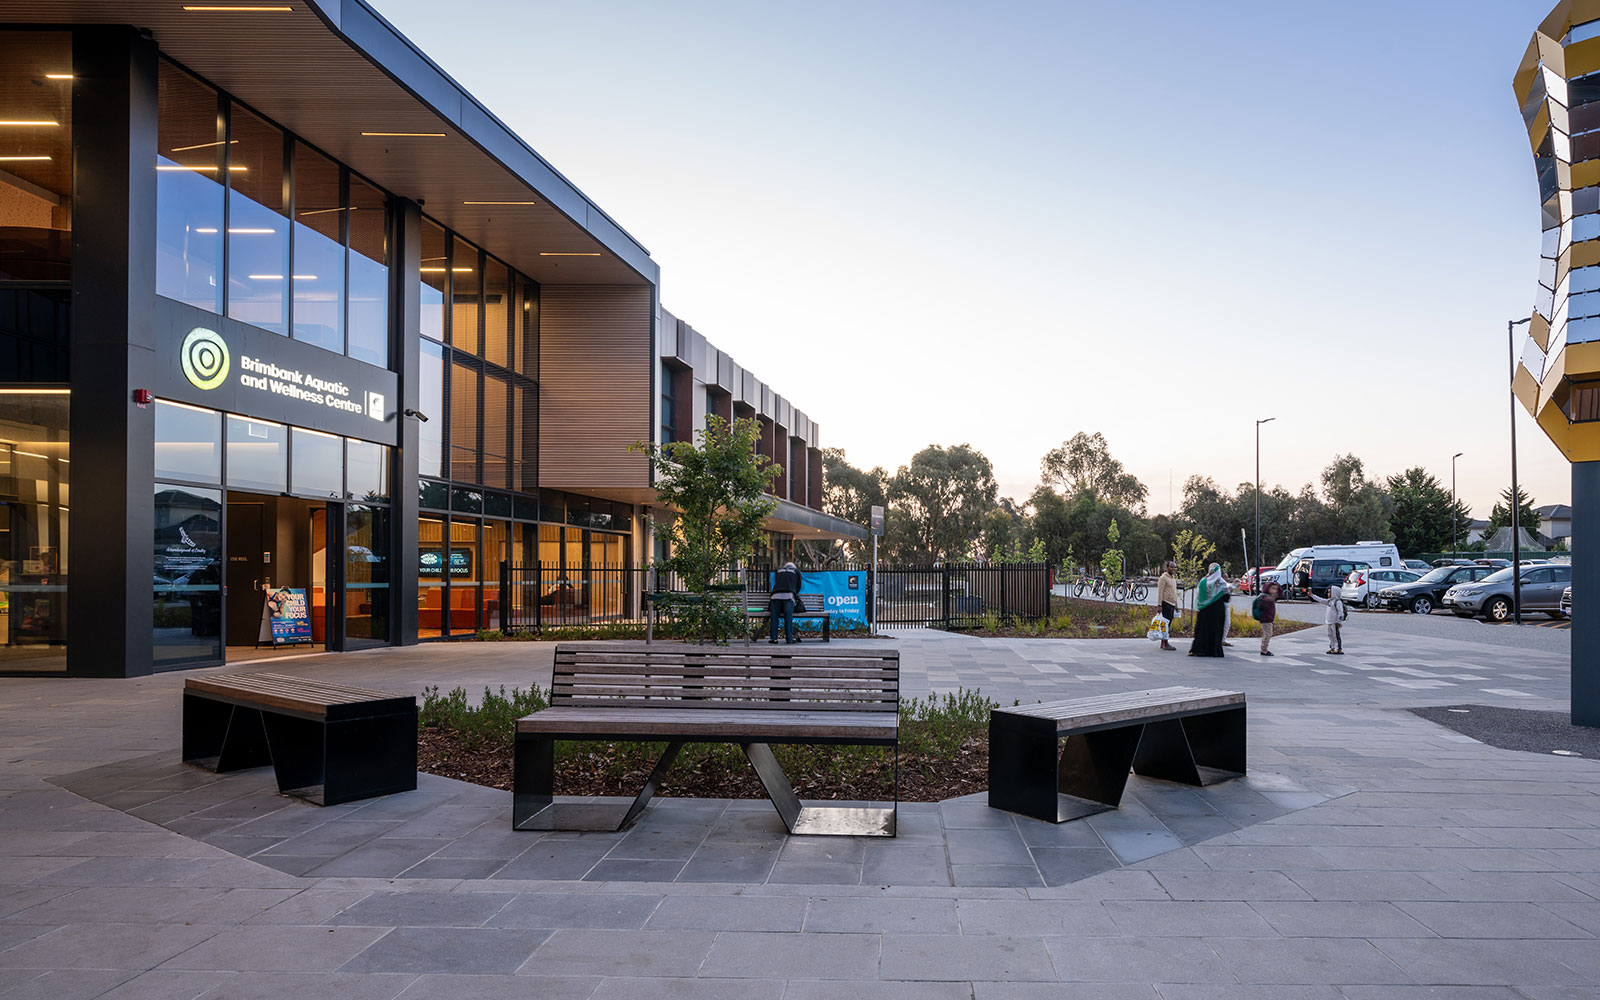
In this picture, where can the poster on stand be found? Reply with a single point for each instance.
(285, 617)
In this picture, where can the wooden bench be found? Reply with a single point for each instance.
(327, 743)
(759, 604)
(1192, 735)
(678, 693)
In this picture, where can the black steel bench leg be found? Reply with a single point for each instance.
(299, 756)
(1164, 753)
(651, 784)
(366, 757)
(832, 821)
(1093, 771)
(1022, 765)
(222, 737)
(1218, 742)
(533, 782)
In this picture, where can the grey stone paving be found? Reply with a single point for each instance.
(1451, 868)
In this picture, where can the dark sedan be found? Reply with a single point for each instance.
(1422, 596)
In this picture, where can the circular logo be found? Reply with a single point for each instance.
(204, 358)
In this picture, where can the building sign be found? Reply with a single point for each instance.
(212, 361)
(844, 595)
(877, 520)
(285, 617)
(431, 562)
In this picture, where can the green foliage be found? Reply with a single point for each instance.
(720, 488)
(1422, 513)
(1083, 465)
(1193, 555)
(1500, 516)
(937, 504)
(850, 493)
(1111, 559)
(492, 721)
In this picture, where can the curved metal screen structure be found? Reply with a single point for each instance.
(1558, 87)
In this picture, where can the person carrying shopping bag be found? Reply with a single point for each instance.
(1167, 595)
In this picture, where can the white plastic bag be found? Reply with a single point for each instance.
(1158, 629)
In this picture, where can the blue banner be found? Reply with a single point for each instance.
(844, 594)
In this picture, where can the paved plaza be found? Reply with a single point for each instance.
(1369, 854)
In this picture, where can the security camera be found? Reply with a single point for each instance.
(418, 414)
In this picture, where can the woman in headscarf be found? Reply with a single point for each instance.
(1211, 611)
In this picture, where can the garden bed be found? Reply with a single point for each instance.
(1071, 618)
(944, 753)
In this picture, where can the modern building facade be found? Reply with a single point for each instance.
(282, 306)
(1558, 375)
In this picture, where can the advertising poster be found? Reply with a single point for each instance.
(844, 594)
(432, 562)
(288, 615)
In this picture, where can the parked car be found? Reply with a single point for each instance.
(1362, 586)
(1566, 603)
(1416, 566)
(1447, 561)
(1422, 596)
(1491, 597)
(1496, 563)
(1380, 555)
(1319, 576)
(1247, 582)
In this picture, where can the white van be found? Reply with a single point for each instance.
(1376, 555)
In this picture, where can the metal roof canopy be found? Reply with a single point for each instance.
(329, 70)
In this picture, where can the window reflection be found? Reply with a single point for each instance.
(435, 279)
(369, 274)
(318, 278)
(35, 501)
(465, 283)
(189, 165)
(188, 575)
(318, 463)
(368, 471)
(258, 233)
(430, 397)
(188, 443)
(366, 572)
(36, 182)
(257, 458)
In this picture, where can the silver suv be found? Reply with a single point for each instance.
(1490, 597)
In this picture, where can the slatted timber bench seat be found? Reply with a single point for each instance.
(327, 743)
(1192, 735)
(760, 606)
(678, 693)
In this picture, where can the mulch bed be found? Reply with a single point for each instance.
(1072, 618)
(592, 769)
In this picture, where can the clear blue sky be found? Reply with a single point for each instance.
(1005, 223)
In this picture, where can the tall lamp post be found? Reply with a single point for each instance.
(1257, 566)
(1455, 549)
(1516, 495)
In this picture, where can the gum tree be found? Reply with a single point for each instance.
(721, 489)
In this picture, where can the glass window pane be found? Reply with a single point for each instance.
(430, 577)
(318, 464)
(467, 501)
(525, 437)
(257, 457)
(463, 560)
(496, 539)
(527, 341)
(435, 279)
(496, 431)
(433, 495)
(189, 165)
(318, 278)
(35, 467)
(497, 504)
(188, 575)
(366, 572)
(465, 285)
(496, 313)
(463, 423)
(258, 233)
(36, 156)
(188, 443)
(369, 274)
(367, 470)
(430, 399)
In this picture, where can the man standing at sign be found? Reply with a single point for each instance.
(785, 591)
(1167, 594)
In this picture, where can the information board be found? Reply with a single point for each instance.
(285, 617)
(844, 594)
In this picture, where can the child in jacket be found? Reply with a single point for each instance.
(1335, 618)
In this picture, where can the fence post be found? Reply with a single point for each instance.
(945, 568)
(538, 595)
(505, 605)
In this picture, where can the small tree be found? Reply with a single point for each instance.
(1111, 559)
(721, 490)
(1191, 552)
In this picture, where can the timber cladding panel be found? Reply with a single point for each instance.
(595, 394)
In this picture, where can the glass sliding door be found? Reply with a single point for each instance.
(495, 551)
(366, 574)
(430, 571)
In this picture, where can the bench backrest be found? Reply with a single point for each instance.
(759, 599)
(679, 675)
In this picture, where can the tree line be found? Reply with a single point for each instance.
(943, 505)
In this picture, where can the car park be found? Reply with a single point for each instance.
(1379, 555)
(1496, 563)
(1566, 603)
(1247, 582)
(1362, 585)
(1448, 561)
(1319, 576)
(1493, 596)
(1422, 595)
(1416, 566)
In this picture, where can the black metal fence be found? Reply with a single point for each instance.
(537, 597)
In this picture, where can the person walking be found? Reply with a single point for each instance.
(1167, 595)
(1267, 604)
(1211, 604)
(1335, 617)
(780, 603)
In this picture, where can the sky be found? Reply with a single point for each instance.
(1000, 224)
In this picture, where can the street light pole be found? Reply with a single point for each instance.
(1257, 566)
(1516, 495)
(1455, 549)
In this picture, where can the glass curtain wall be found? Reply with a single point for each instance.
(36, 171)
(306, 241)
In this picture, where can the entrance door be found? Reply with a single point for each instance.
(247, 570)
